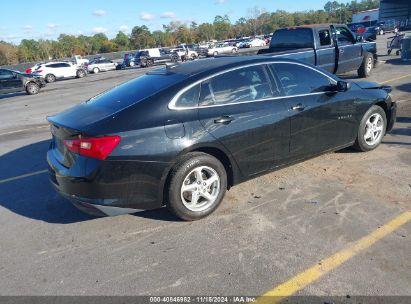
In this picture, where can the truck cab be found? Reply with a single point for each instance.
(332, 47)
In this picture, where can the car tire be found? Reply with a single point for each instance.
(215, 54)
(371, 129)
(132, 63)
(193, 57)
(233, 51)
(80, 73)
(50, 78)
(366, 66)
(32, 88)
(208, 195)
(96, 70)
(381, 32)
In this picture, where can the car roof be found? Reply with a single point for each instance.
(215, 64)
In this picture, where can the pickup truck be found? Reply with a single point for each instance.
(332, 47)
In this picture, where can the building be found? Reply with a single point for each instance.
(369, 16)
(397, 11)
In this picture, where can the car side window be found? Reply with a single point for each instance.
(297, 79)
(4, 74)
(344, 36)
(245, 84)
(189, 98)
(325, 37)
(64, 65)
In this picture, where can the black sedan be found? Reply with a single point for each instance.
(14, 81)
(182, 135)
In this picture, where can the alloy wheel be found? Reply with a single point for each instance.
(373, 129)
(200, 188)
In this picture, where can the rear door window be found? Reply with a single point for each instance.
(241, 85)
(325, 37)
(189, 98)
(297, 79)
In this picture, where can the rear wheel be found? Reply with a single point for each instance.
(371, 130)
(366, 66)
(96, 70)
(197, 186)
(50, 78)
(215, 53)
(80, 73)
(32, 88)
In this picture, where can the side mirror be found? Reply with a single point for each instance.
(343, 86)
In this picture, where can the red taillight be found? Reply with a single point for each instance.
(98, 147)
(28, 71)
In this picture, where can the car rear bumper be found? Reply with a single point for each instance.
(109, 187)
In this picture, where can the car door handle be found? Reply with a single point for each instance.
(299, 106)
(223, 120)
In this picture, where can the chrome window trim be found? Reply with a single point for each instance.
(172, 103)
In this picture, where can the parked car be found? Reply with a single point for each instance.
(386, 26)
(256, 42)
(332, 47)
(185, 53)
(33, 68)
(182, 135)
(100, 64)
(221, 49)
(370, 33)
(13, 81)
(57, 70)
(78, 60)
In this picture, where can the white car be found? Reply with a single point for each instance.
(100, 64)
(56, 70)
(256, 42)
(221, 49)
(77, 59)
(184, 51)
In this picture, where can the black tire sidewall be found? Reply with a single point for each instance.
(80, 74)
(53, 78)
(181, 170)
(362, 71)
(32, 84)
(360, 143)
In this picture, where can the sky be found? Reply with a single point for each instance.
(46, 19)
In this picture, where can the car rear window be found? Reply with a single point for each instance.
(133, 91)
(295, 38)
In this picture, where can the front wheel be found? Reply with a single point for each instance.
(32, 88)
(366, 66)
(215, 54)
(96, 70)
(197, 186)
(80, 73)
(371, 130)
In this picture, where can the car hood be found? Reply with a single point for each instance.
(363, 84)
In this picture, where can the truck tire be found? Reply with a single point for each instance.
(367, 65)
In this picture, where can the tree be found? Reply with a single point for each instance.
(206, 32)
(141, 38)
(122, 41)
(222, 27)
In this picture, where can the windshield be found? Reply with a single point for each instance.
(292, 38)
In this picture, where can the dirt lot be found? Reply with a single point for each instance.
(266, 232)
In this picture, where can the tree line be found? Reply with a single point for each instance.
(257, 22)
